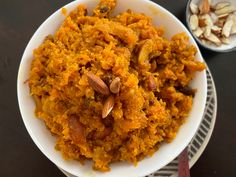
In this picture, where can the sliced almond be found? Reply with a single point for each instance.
(115, 85)
(198, 32)
(225, 10)
(207, 31)
(204, 7)
(193, 8)
(221, 5)
(108, 106)
(225, 40)
(216, 30)
(223, 15)
(193, 22)
(233, 29)
(227, 28)
(97, 84)
(214, 39)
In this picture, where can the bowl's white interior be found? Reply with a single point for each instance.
(42, 137)
(213, 47)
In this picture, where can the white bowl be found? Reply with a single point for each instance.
(223, 47)
(46, 142)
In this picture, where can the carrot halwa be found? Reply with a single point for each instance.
(151, 104)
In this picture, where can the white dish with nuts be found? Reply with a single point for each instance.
(213, 23)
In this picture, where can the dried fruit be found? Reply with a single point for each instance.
(108, 106)
(193, 8)
(204, 7)
(227, 28)
(193, 22)
(225, 10)
(115, 85)
(97, 84)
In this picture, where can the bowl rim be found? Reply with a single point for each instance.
(58, 163)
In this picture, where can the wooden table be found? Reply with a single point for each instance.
(19, 157)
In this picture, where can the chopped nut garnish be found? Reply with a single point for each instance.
(108, 106)
(115, 85)
(214, 24)
(97, 84)
(193, 22)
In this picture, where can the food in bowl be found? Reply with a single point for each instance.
(213, 24)
(112, 88)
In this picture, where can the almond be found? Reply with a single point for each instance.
(204, 7)
(225, 10)
(227, 27)
(198, 32)
(207, 31)
(193, 22)
(108, 106)
(97, 84)
(216, 30)
(223, 15)
(193, 8)
(115, 85)
(225, 40)
(233, 29)
(221, 5)
(214, 39)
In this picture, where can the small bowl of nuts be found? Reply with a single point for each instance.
(213, 23)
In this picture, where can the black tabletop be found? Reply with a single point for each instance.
(19, 156)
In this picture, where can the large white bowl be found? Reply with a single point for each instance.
(46, 142)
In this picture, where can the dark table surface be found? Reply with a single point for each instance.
(18, 154)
